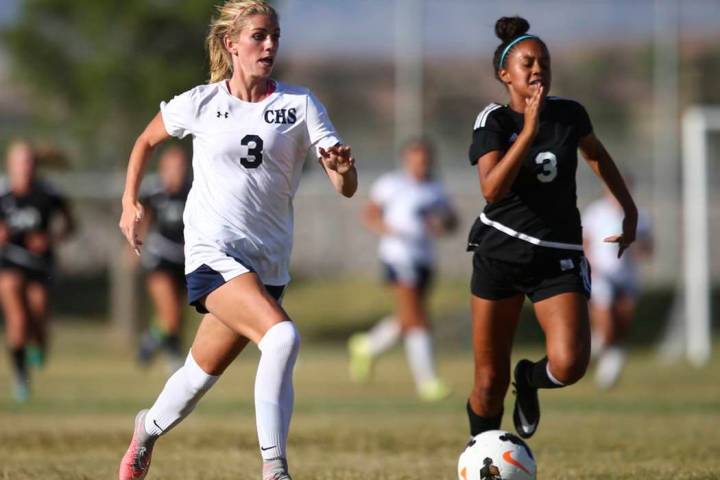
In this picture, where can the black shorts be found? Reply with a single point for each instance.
(417, 275)
(202, 281)
(547, 275)
(152, 263)
(42, 274)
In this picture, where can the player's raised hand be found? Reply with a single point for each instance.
(338, 158)
(627, 237)
(533, 105)
(130, 219)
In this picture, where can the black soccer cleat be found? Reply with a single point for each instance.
(526, 414)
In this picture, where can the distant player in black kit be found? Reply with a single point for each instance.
(28, 207)
(163, 258)
(528, 240)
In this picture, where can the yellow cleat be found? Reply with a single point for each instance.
(361, 361)
(434, 391)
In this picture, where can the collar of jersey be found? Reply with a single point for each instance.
(224, 88)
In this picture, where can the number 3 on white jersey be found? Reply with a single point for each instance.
(548, 160)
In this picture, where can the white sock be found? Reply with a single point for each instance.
(384, 335)
(273, 388)
(182, 392)
(418, 347)
(552, 377)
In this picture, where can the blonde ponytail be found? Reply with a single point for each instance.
(230, 19)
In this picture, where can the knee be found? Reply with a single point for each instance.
(489, 387)
(570, 366)
(282, 338)
(197, 379)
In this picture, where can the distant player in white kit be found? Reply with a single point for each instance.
(250, 137)
(408, 208)
(615, 283)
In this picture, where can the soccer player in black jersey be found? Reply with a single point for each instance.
(528, 240)
(28, 207)
(163, 258)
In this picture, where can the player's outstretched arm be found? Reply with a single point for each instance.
(132, 210)
(372, 218)
(604, 167)
(339, 164)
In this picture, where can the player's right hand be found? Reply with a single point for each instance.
(130, 219)
(533, 105)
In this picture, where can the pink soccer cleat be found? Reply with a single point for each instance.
(136, 461)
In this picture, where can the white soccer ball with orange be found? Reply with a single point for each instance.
(496, 455)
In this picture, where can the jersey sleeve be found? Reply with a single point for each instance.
(320, 129)
(488, 135)
(179, 114)
(582, 121)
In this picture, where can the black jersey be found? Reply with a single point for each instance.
(540, 211)
(165, 238)
(30, 213)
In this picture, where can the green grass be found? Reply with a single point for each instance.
(662, 422)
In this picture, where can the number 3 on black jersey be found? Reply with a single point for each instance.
(548, 160)
(256, 151)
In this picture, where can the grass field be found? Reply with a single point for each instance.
(662, 422)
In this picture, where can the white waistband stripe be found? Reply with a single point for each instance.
(535, 241)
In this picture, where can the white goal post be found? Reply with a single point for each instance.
(697, 123)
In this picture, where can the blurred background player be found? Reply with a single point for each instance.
(250, 138)
(163, 257)
(29, 207)
(528, 239)
(408, 208)
(615, 283)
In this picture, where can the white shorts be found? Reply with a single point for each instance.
(606, 290)
(215, 269)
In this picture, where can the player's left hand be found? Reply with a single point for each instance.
(337, 158)
(627, 237)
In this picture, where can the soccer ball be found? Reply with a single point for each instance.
(496, 455)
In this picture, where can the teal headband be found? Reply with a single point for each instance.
(510, 45)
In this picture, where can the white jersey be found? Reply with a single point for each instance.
(405, 204)
(602, 219)
(247, 162)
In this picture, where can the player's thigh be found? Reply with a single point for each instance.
(38, 299)
(410, 306)
(166, 296)
(625, 310)
(601, 319)
(494, 323)
(216, 345)
(163, 288)
(12, 290)
(14, 305)
(565, 321)
(245, 306)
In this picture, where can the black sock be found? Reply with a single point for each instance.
(172, 344)
(19, 362)
(480, 424)
(537, 375)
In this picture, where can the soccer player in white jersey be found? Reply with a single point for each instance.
(408, 208)
(250, 137)
(615, 283)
